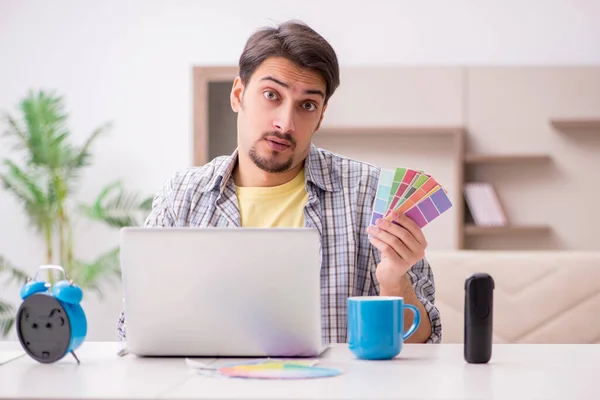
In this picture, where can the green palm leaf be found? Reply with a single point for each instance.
(27, 187)
(105, 268)
(45, 120)
(16, 130)
(14, 274)
(146, 205)
(7, 318)
(82, 156)
(116, 207)
(23, 183)
(7, 311)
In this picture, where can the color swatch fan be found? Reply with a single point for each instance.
(413, 193)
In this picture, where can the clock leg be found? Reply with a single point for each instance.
(74, 355)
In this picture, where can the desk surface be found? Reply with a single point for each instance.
(421, 371)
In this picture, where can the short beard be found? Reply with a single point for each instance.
(269, 165)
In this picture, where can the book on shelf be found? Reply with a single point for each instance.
(484, 204)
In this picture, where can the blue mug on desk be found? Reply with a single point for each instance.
(376, 326)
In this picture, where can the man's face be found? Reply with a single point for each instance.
(279, 110)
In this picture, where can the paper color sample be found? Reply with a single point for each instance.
(419, 181)
(384, 187)
(405, 177)
(419, 194)
(429, 208)
(398, 176)
(414, 193)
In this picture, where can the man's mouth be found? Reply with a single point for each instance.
(278, 144)
(279, 141)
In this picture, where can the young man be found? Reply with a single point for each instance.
(278, 178)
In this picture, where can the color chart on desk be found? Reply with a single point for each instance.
(281, 370)
(411, 192)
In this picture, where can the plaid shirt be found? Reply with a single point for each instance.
(341, 193)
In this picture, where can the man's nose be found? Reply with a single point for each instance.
(284, 119)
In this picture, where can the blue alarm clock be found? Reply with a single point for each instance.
(50, 322)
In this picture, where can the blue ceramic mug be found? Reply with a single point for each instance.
(376, 324)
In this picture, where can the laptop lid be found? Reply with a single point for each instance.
(222, 291)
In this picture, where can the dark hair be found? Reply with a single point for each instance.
(298, 43)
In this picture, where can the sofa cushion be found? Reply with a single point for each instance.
(539, 296)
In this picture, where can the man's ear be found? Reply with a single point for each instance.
(237, 91)
(321, 118)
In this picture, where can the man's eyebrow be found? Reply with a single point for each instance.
(315, 91)
(285, 85)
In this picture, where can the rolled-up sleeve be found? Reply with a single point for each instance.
(422, 279)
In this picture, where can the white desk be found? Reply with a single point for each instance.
(420, 372)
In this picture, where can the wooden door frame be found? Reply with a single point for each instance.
(201, 78)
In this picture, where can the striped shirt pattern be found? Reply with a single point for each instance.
(341, 193)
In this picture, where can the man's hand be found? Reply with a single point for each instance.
(401, 244)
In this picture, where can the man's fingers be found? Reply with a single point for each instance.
(394, 242)
(402, 234)
(411, 226)
(384, 248)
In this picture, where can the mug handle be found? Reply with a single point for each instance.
(416, 321)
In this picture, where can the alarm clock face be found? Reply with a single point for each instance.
(43, 328)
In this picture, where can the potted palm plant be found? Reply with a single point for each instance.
(45, 182)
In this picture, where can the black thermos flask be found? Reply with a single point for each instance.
(479, 307)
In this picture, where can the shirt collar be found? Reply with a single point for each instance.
(321, 172)
(318, 171)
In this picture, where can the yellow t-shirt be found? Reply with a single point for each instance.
(273, 207)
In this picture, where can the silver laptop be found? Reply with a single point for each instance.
(229, 292)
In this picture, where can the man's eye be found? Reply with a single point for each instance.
(309, 106)
(270, 95)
